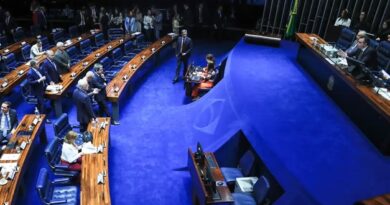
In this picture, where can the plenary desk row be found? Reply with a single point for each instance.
(95, 165)
(368, 110)
(79, 69)
(132, 71)
(16, 76)
(17, 47)
(216, 191)
(29, 129)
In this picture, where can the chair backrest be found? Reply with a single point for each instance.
(85, 46)
(246, 162)
(26, 93)
(26, 52)
(53, 152)
(128, 47)
(43, 186)
(58, 35)
(61, 126)
(45, 42)
(10, 61)
(383, 55)
(114, 33)
(99, 40)
(3, 42)
(116, 54)
(260, 189)
(373, 43)
(347, 36)
(19, 34)
(35, 30)
(73, 31)
(72, 52)
(106, 62)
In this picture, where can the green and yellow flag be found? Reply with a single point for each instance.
(292, 21)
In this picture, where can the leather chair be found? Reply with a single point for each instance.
(10, 61)
(99, 40)
(18, 34)
(26, 53)
(110, 70)
(244, 168)
(53, 155)
(128, 50)
(373, 43)
(59, 35)
(45, 43)
(74, 54)
(85, 47)
(73, 31)
(49, 193)
(61, 126)
(346, 39)
(26, 93)
(259, 195)
(118, 58)
(383, 55)
(114, 33)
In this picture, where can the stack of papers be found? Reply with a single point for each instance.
(383, 92)
(12, 157)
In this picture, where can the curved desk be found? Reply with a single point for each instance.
(16, 47)
(19, 74)
(127, 74)
(9, 191)
(93, 164)
(81, 68)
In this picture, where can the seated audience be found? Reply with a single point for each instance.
(207, 75)
(343, 20)
(36, 50)
(361, 23)
(61, 59)
(8, 121)
(50, 69)
(70, 154)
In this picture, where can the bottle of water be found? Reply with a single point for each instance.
(93, 123)
(36, 111)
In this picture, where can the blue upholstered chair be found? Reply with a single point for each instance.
(26, 93)
(110, 69)
(383, 55)
(118, 58)
(99, 40)
(10, 61)
(114, 33)
(86, 47)
(49, 193)
(61, 126)
(74, 54)
(73, 31)
(45, 42)
(18, 34)
(347, 36)
(26, 53)
(128, 49)
(53, 155)
(3, 42)
(58, 35)
(259, 195)
(244, 168)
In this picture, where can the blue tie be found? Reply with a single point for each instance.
(6, 126)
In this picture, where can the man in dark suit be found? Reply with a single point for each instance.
(9, 26)
(98, 80)
(81, 20)
(83, 104)
(50, 70)
(37, 82)
(183, 53)
(8, 121)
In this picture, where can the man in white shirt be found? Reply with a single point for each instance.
(36, 50)
(8, 121)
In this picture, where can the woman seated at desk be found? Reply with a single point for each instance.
(70, 152)
(207, 77)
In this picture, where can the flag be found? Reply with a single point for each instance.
(292, 21)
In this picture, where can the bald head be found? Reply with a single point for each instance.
(50, 54)
(83, 84)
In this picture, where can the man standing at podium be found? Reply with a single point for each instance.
(183, 52)
(8, 121)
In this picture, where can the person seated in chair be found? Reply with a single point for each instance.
(71, 154)
(8, 121)
(207, 75)
(36, 50)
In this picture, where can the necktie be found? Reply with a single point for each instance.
(182, 42)
(6, 125)
(360, 55)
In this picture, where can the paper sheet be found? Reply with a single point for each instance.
(13, 157)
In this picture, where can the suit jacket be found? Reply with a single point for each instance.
(13, 119)
(368, 56)
(62, 60)
(37, 88)
(50, 71)
(186, 44)
(11, 24)
(83, 105)
(98, 82)
(158, 21)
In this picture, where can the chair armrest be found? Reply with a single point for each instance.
(63, 180)
(58, 202)
(61, 167)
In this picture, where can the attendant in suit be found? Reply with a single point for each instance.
(83, 104)
(61, 59)
(8, 121)
(37, 82)
(183, 53)
(81, 20)
(36, 50)
(50, 70)
(9, 26)
(99, 81)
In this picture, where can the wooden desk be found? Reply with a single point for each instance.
(9, 191)
(200, 192)
(118, 85)
(19, 74)
(369, 111)
(16, 47)
(379, 200)
(81, 68)
(92, 165)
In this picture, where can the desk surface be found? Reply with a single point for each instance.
(93, 164)
(16, 47)
(128, 70)
(9, 191)
(20, 73)
(379, 103)
(80, 68)
(224, 192)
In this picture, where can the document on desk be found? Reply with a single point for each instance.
(11, 157)
(8, 167)
(88, 148)
(383, 92)
(330, 61)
